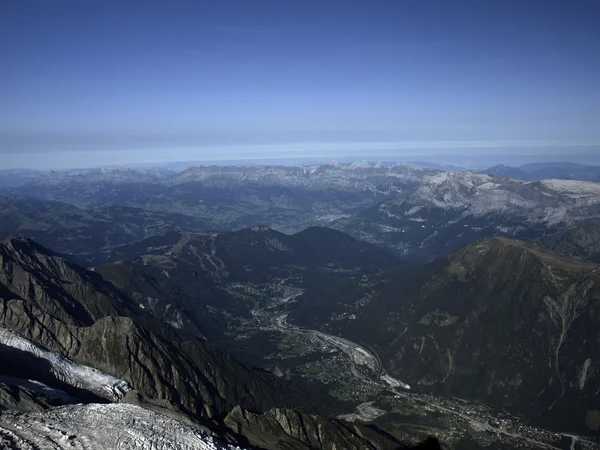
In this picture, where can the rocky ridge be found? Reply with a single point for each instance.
(233, 197)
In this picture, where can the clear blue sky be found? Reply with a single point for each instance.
(87, 81)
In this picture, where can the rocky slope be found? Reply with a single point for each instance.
(503, 321)
(64, 322)
(66, 309)
(450, 210)
(304, 431)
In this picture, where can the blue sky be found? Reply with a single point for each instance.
(101, 82)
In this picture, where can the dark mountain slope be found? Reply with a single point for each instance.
(38, 277)
(304, 431)
(544, 171)
(85, 235)
(261, 245)
(64, 308)
(581, 242)
(501, 170)
(562, 170)
(218, 277)
(328, 245)
(504, 321)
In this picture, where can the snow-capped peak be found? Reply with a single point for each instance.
(360, 165)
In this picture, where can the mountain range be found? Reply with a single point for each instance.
(448, 210)
(505, 322)
(232, 197)
(544, 171)
(419, 213)
(218, 311)
(86, 235)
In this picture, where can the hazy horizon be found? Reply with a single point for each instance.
(87, 85)
(474, 161)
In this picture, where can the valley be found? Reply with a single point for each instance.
(354, 374)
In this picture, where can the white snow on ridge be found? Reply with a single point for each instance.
(413, 210)
(77, 375)
(467, 179)
(476, 195)
(487, 186)
(359, 165)
(100, 427)
(573, 187)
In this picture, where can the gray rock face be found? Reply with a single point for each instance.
(286, 429)
(15, 396)
(34, 277)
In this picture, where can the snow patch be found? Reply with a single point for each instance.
(389, 229)
(77, 375)
(394, 382)
(413, 210)
(584, 373)
(573, 187)
(100, 427)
